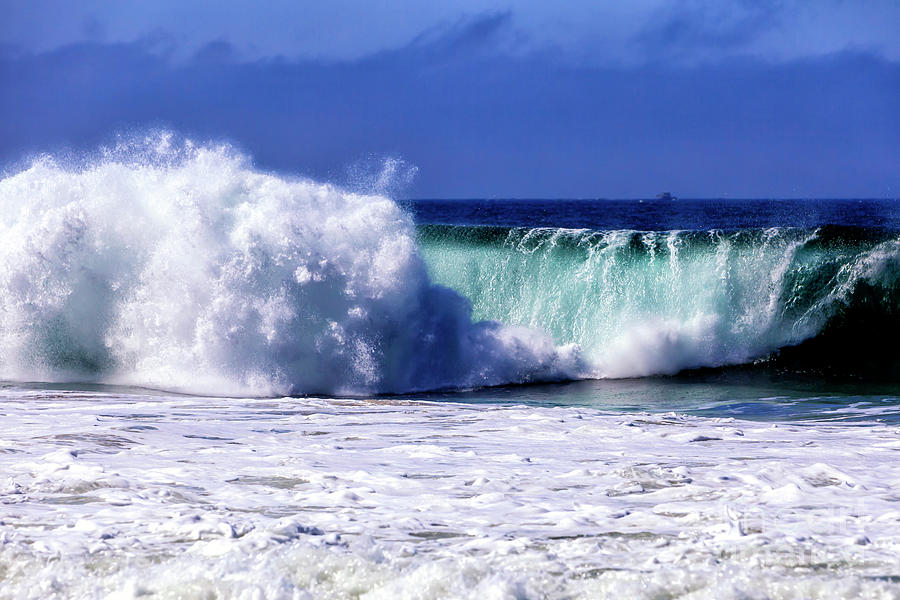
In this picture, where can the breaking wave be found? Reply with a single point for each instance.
(179, 266)
(639, 303)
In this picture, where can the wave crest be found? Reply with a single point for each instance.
(181, 267)
(649, 303)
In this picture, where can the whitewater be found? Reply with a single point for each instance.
(222, 382)
(183, 268)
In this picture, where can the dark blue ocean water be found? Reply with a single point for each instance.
(761, 392)
(659, 215)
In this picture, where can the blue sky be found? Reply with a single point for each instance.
(487, 99)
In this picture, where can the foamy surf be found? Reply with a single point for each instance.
(130, 495)
(179, 266)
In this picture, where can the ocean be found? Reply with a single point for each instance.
(221, 382)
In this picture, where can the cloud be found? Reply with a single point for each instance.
(689, 31)
(465, 35)
(216, 52)
(606, 33)
(483, 123)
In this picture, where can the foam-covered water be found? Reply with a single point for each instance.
(110, 494)
(181, 267)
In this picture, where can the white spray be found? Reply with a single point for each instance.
(184, 268)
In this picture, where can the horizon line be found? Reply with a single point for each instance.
(644, 199)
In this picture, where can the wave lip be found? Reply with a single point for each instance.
(645, 303)
(181, 267)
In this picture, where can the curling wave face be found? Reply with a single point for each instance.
(181, 267)
(647, 303)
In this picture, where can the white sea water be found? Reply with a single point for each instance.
(182, 267)
(178, 266)
(130, 494)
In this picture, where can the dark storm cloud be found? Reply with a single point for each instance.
(484, 123)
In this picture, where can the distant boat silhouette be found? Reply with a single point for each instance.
(666, 196)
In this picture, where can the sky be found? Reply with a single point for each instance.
(466, 99)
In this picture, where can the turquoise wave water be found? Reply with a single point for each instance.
(644, 303)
